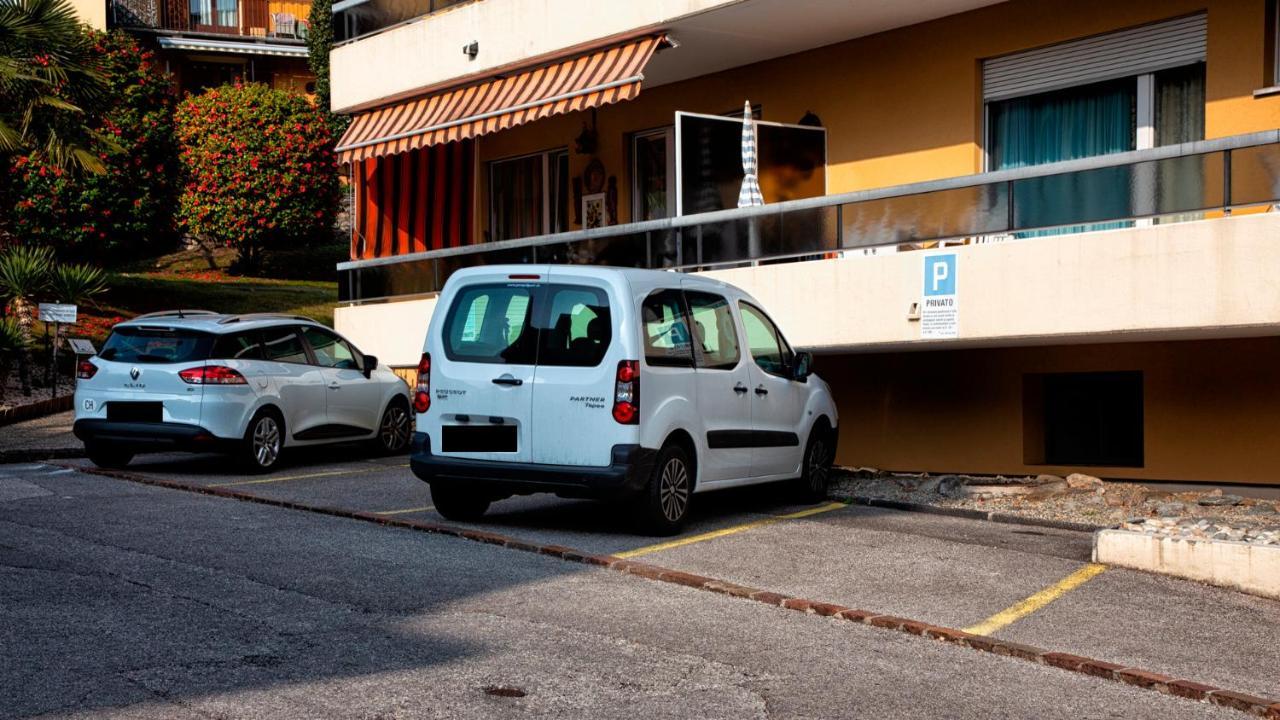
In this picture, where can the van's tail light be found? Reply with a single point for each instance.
(626, 393)
(422, 395)
(212, 375)
(86, 370)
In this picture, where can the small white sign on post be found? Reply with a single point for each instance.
(58, 313)
(940, 310)
(82, 346)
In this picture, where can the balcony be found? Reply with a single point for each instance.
(274, 19)
(356, 18)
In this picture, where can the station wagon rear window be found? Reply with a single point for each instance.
(156, 345)
(527, 324)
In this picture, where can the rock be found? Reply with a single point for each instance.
(1262, 508)
(1170, 509)
(1048, 490)
(950, 486)
(1080, 481)
(1045, 479)
(1219, 499)
(929, 485)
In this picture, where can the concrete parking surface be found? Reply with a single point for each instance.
(123, 600)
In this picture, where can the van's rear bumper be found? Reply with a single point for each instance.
(139, 436)
(627, 474)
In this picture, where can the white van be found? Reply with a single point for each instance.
(597, 382)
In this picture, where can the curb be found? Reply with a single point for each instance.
(1136, 677)
(38, 409)
(38, 455)
(966, 513)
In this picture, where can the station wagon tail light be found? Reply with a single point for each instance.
(212, 375)
(422, 395)
(626, 393)
(86, 370)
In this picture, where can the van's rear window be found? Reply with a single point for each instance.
(527, 324)
(156, 345)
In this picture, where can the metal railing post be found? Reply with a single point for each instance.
(1226, 182)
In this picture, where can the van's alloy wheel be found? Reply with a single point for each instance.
(265, 441)
(817, 471)
(395, 429)
(673, 489)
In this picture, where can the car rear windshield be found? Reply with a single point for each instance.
(156, 345)
(527, 324)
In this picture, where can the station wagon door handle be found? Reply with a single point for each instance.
(760, 390)
(335, 386)
(740, 388)
(508, 380)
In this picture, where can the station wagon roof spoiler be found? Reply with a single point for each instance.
(176, 313)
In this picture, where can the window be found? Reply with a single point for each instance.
(666, 330)
(768, 348)
(577, 330)
(156, 345)
(239, 346)
(653, 175)
(1093, 418)
(491, 324)
(529, 195)
(330, 350)
(715, 338)
(282, 344)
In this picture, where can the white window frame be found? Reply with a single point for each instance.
(547, 189)
(669, 133)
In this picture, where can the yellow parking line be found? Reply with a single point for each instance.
(307, 475)
(727, 531)
(406, 511)
(1037, 601)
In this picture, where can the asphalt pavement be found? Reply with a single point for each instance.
(125, 600)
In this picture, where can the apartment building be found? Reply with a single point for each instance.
(1021, 237)
(206, 43)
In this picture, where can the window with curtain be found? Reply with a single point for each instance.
(1179, 118)
(516, 190)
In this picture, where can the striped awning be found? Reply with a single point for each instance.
(597, 78)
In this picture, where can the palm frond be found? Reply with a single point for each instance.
(77, 284)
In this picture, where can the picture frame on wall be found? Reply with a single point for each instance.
(595, 211)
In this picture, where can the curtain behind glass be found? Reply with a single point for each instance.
(515, 195)
(1065, 125)
(1179, 118)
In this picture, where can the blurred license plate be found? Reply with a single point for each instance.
(478, 438)
(135, 411)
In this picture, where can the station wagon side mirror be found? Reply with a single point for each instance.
(802, 367)
(370, 364)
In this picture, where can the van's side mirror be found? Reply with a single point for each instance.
(370, 364)
(802, 367)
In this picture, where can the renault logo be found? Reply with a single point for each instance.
(134, 373)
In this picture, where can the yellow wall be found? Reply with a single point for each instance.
(1209, 408)
(905, 106)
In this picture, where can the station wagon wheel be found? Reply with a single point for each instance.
(263, 442)
(395, 428)
(664, 504)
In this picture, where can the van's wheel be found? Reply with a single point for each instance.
(460, 504)
(109, 458)
(395, 428)
(665, 501)
(263, 442)
(816, 473)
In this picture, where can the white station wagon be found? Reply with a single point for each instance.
(608, 383)
(250, 385)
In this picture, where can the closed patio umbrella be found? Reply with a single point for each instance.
(749, 194)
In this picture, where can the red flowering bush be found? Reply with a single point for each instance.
(127, 210)
(259, 170)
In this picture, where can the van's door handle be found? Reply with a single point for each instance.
(508, 380)
(740, 388)
(335, 386)
(760, 390)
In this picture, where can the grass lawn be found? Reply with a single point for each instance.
(134, 294)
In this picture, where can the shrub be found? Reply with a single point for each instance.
(127, 210)
(259, 170)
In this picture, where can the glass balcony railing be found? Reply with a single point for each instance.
(1172, 183)
(356, 18)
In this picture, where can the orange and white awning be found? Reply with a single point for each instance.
(597, 78)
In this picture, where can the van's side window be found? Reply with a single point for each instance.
(768, 348)
(667, 338)
(491, 324)
(715, 341)
(577, 327)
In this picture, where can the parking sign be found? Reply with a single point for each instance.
(939, 308)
